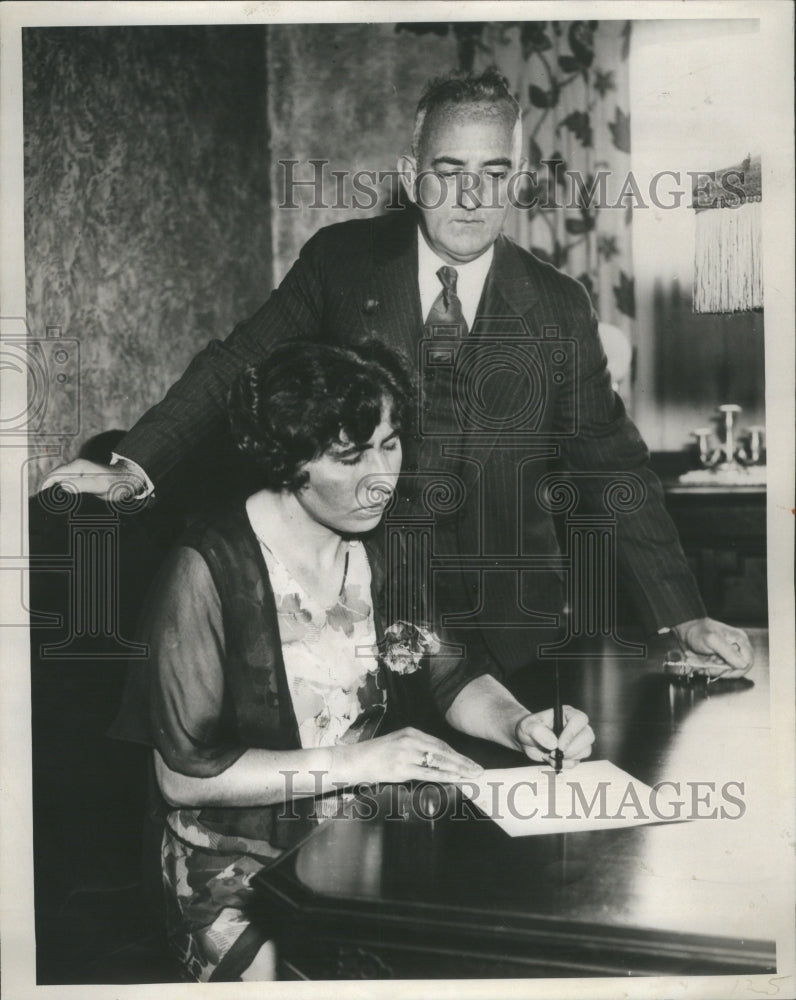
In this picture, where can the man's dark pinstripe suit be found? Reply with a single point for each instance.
(358, 279)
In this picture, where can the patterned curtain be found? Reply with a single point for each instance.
(571, 79)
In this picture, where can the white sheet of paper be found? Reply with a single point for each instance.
(595, 795)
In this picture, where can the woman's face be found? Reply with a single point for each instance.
(350, 485)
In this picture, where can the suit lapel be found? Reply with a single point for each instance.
(509, 296)
(388, 294)
(388, 297)
(509, 291)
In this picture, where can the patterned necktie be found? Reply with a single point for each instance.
(445, 322)
(447, 308)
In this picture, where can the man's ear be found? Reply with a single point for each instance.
(407, 171)
(518, 171)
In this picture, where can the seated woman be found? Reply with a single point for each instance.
(266, 690)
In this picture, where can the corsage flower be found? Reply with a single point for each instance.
(405, 645)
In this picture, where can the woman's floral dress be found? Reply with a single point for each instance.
(241, 656)
(330, 662)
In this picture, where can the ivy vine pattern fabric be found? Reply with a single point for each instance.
(571, 79)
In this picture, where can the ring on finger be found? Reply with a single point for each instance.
(427, 759)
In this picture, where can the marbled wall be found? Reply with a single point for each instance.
(344, 93)
(147, 212)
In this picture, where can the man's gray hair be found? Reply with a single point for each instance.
(489, 87)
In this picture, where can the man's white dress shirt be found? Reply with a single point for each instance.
(469, 284)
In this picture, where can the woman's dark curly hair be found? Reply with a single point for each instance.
(294, 404)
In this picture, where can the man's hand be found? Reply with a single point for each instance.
(724, 645)
(110, 482)
(535, 736)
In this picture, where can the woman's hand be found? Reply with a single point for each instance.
(536, 738)
(406, 755)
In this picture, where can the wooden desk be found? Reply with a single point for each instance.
(456, 897)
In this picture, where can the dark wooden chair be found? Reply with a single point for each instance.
(90, 569)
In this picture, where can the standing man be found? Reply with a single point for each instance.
(494, 329)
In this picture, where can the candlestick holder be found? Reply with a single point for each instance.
(733, 456)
